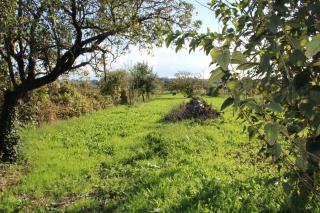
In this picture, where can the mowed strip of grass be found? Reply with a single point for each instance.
(126, 159)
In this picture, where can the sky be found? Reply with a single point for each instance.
(165, 61)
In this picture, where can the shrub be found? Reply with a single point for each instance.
(60, 100)
(115, 84)
(47, 112)
(186, 83)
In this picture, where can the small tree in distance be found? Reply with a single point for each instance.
(186, 83)
(143, 79)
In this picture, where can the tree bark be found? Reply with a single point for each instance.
(8, 138)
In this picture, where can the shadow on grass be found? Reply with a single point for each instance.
(232, 197)
(170, 98)
(125, 182)
(108, 200)
(213, 195)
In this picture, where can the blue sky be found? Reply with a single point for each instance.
(165, 61)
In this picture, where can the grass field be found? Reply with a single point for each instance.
(126, 159)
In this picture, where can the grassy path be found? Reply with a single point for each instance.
(125, 159)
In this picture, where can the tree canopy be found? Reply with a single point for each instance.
(41, 40)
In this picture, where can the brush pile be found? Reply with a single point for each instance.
(196, 108)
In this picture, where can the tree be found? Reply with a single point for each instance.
(143, 79)
(41, 40)
(116, 85)
(186, 82)
(271, 49)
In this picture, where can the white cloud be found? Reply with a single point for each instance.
(166, 62)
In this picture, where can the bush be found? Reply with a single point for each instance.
(115, 84)
(47, 112)
(197, 109)
(60, 100)
(186, 83)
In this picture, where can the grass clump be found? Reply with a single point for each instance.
(197, 108)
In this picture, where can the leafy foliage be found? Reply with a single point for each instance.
(268, 55)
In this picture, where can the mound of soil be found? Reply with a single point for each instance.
(196, 108)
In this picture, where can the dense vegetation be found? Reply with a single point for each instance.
(108, 161)
(72, 98)
(60, 100)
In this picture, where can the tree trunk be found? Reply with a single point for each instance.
(8, 138)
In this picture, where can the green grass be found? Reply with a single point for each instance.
(126, 159)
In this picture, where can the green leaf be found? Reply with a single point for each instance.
(238, 58)
(247, 83)
(229, 101)
(271, 133)
(306, 109)
(216, 74)
(233, 85)
(169, 39)
(221, 57)
(265, 61)
(252, 132)
(278, 97)
(273, 23)
(302, 79)
(251, 104)
(224, 59)
(313, 47)
(246, 66)
(318, 131)
(277, 151)
(274, 106)
(179, 44)
(214, 55)
(315, 96)
(301, 163)
(287, 188)
(297, 58)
